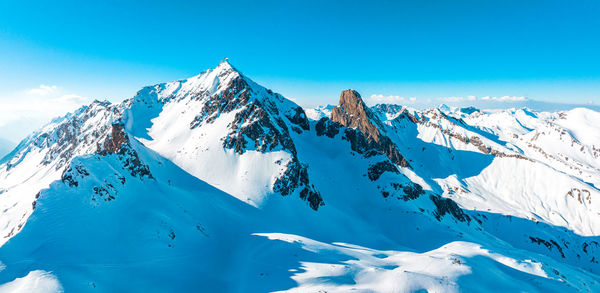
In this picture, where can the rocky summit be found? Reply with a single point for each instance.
(353, 113)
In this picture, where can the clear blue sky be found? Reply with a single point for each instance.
(307, 50)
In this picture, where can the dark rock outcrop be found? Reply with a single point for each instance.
(236, 95)
(327, 127)
(255, 124)
(377, 169)
(117, 142)
(72, 135)
(548, 244)
(447, 206)
(261, 126)
(405, 191)
(296, 177)
(74, 172)
(412, 191)
(299, 118)
(364, 128)
(353, 113)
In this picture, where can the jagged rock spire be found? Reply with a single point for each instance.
(352, 112)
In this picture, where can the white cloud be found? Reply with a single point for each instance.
(504, 99)
(452, 99)
(381, 99)
(43, 90)
(21, 113)
(72, 99)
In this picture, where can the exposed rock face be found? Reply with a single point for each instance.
(299, 118)
(368, 139)
(377, 169)
(447, 206)
(260, 125)
(404, 191)
(253, 123)
(353, 113)
(236, 95)
(74, 172)
(582, 195)
(296, 177)
(77, 134)
(116, 138)
(117, 142)
(548, 244)
(327, 127)
(412, 191)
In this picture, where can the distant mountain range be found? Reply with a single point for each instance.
(217, 184)
(536, 105)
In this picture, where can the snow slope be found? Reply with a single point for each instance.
(5, 147)
(215, 183)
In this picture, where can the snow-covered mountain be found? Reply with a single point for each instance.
(5, 147)
(216, 184)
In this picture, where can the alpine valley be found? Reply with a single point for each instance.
(217, 184)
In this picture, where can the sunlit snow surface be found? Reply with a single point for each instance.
(209, 221)
(348, 267)
(35, 281)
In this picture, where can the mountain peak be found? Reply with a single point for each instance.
(352, 112)
(352, 102)
(444, 108)
(225, 65)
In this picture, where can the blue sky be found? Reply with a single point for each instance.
(307, 50)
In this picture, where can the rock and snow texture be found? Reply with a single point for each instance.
(221, 122)
(215, 183)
